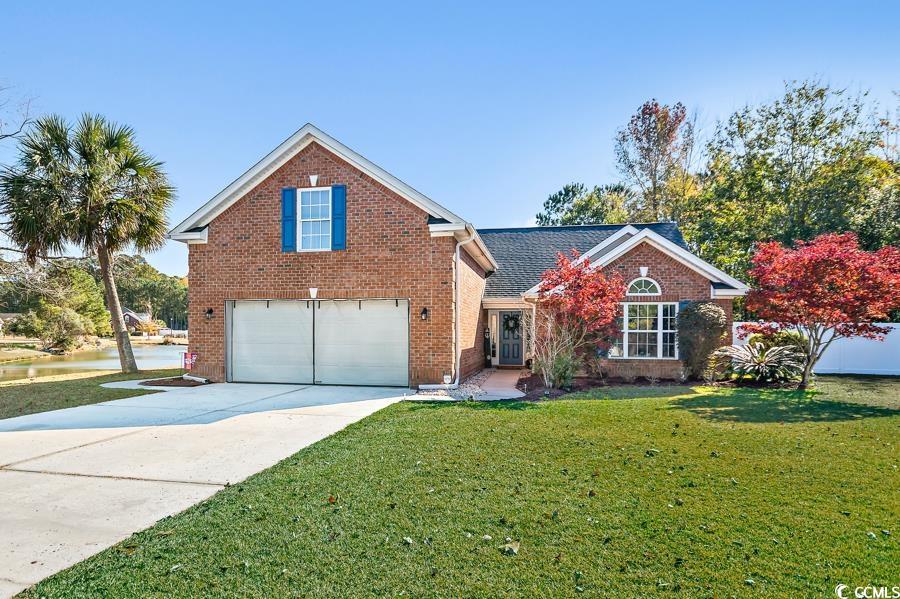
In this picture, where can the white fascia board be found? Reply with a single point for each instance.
(727, 293)
(667, 247)
(484, 257)
(675, 251)
(287, 150)
(190, 237)
(627, 230)
(446, 229)
(463, 232)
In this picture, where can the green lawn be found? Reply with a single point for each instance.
(19, 398)
(665, 491)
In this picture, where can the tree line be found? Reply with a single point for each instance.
(816, 160)
(62, 300)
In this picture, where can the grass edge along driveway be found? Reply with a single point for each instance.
(31, 396)
(676, 491)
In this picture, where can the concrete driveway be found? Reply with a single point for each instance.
(75, 481)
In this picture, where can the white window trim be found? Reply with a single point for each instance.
(658, 288)
(659, 332)
(300, 219)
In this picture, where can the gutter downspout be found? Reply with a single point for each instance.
(458, 350)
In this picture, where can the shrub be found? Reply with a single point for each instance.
(794, 339)
(559, 369)
(779, 363)
(65, 328)
(701, 327)
(28, 324)
(56, 327)
(593, 365)
(716, 368)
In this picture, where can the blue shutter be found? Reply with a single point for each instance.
(288, 220)
(339, 217)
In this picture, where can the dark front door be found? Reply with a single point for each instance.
(511, 337)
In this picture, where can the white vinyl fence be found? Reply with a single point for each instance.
(857, 355)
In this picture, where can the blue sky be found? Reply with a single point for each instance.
(485, 107)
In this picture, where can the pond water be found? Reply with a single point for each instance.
(149, 357)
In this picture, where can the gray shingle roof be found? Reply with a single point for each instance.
(524, 254)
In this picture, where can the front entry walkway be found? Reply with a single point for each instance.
(75, 481)
(501, 384)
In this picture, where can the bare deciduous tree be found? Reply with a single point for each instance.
(652, 150)
(15, 114)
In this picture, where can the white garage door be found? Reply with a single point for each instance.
(271, 342)
(331, 342)
(362, 342)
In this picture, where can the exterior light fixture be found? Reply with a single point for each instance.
(313, 292)
(313, 179)
(209, 313)
(424, 313)
(644, 271)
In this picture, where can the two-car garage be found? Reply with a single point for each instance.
(329, 342)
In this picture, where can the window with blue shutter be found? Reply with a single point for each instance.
(339, 217)
(288, 220)
(315, 220)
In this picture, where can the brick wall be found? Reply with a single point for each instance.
(390, 254)
(472, 319)
(677, 283)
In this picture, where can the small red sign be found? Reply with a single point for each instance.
(189, 359)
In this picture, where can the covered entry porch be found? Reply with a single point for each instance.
(508, 341)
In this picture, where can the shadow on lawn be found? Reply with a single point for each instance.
(775, 405)
(503, 404)
(632, 392)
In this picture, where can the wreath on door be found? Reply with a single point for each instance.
(511, 323)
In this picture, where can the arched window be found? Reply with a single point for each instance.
(643, 286)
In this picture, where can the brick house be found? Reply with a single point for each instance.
(660, 272)
(134, 320)
(317, 266)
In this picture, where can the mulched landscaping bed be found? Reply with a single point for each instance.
(172, 382)
(533, 385)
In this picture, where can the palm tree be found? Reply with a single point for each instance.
(88, 186)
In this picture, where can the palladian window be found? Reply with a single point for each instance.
(648, 328)
(643, 286)
(648, 331)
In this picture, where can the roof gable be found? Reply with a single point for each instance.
(193, 225)
(678, 252)
(524, 254)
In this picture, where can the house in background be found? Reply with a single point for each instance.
(136, 321)
(316, 266)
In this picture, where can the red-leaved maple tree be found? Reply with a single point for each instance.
(825, 289)
(577, 309)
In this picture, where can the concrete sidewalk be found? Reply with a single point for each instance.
(75, 481)
(501, 384)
